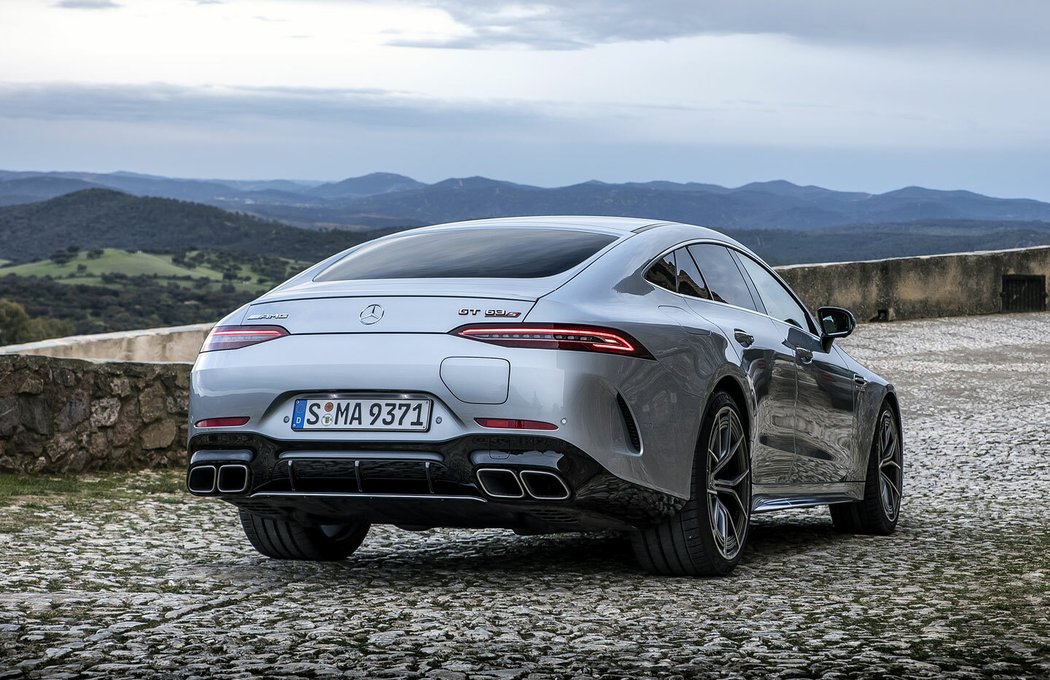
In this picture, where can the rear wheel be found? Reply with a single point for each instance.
(707, 537)
(878, 512)
(285, 540)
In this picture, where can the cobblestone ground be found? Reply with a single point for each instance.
(138, 581)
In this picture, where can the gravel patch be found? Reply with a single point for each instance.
(138, 582)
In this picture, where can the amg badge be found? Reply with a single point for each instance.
(490, 313)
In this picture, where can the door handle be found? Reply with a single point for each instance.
(857, 380)
(804, 355)
(744, 338)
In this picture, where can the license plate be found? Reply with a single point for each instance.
(392, 415)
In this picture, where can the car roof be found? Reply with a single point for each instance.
(612, 225)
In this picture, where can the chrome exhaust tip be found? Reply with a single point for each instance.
(232, 479)
(201, 479)
(500, 483)
(545, 486)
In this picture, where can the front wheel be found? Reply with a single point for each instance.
(707, 537)
(285, 540)
(879, 511)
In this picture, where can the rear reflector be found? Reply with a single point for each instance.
(235, 337)
(557, 336)
(235, 421)
(512, 424)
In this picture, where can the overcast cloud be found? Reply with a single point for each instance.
(135, 104)
(86, 4)
(967, 24)
(856, 95)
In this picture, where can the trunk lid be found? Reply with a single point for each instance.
(395, 306)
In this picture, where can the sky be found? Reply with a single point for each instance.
(846, 94)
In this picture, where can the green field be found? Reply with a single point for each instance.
(112, 289)
(194, 268)
(112, 260)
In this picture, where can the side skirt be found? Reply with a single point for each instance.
(787, 496)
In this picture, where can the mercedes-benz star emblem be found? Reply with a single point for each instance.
(371, 314)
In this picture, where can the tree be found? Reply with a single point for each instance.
(16, 326)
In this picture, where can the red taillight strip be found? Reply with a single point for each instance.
(515, 424)
(235, 337)
(551, 336)
(235, 421)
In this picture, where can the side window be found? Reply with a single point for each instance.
(664, 273)
(725, 283)
(690, 282)
(778, 301)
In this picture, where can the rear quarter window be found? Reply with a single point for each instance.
(502, 253)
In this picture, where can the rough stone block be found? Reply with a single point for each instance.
(74, 412)
(9, 415)
(104, 411)
(35, 413)
(153, 403)
(159, 435)
(21, 382)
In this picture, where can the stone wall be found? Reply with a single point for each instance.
(175, 343)
(68, 415)
(963, 284)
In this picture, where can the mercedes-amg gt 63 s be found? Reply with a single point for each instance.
(542, 374)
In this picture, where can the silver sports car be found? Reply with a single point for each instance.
(542, 374)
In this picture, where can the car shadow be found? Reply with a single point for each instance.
(428, 559)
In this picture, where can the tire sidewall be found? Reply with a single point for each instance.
(701, 470)
(877, 514)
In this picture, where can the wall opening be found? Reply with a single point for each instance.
(1024, 293)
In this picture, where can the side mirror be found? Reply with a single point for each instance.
(835, 322)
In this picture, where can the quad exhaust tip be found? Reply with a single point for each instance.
(232, 479)
(544, 486)
(201, 479)
(500, 483)
(209, 479)
(536, 484)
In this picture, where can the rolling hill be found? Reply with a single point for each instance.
(102, 218)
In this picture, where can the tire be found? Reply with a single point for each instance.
(283, 540)
(879, 511)
(707, 536)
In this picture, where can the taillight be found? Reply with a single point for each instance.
(557, 336)
(515, 424)
(235, 421)
(235, 337)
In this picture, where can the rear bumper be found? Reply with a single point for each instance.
(625, 413)
(527, 483)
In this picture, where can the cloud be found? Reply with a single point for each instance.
(86, 4)
(367, 107)
(553, 24)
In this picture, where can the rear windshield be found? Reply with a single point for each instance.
(506, 253)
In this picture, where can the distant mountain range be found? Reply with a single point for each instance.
(103, 218)
(386, 200)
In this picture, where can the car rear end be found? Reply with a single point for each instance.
(405, 382)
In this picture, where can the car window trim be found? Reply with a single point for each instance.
(747, 280)
(752, 290)
(785, 286)
(703, 279)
